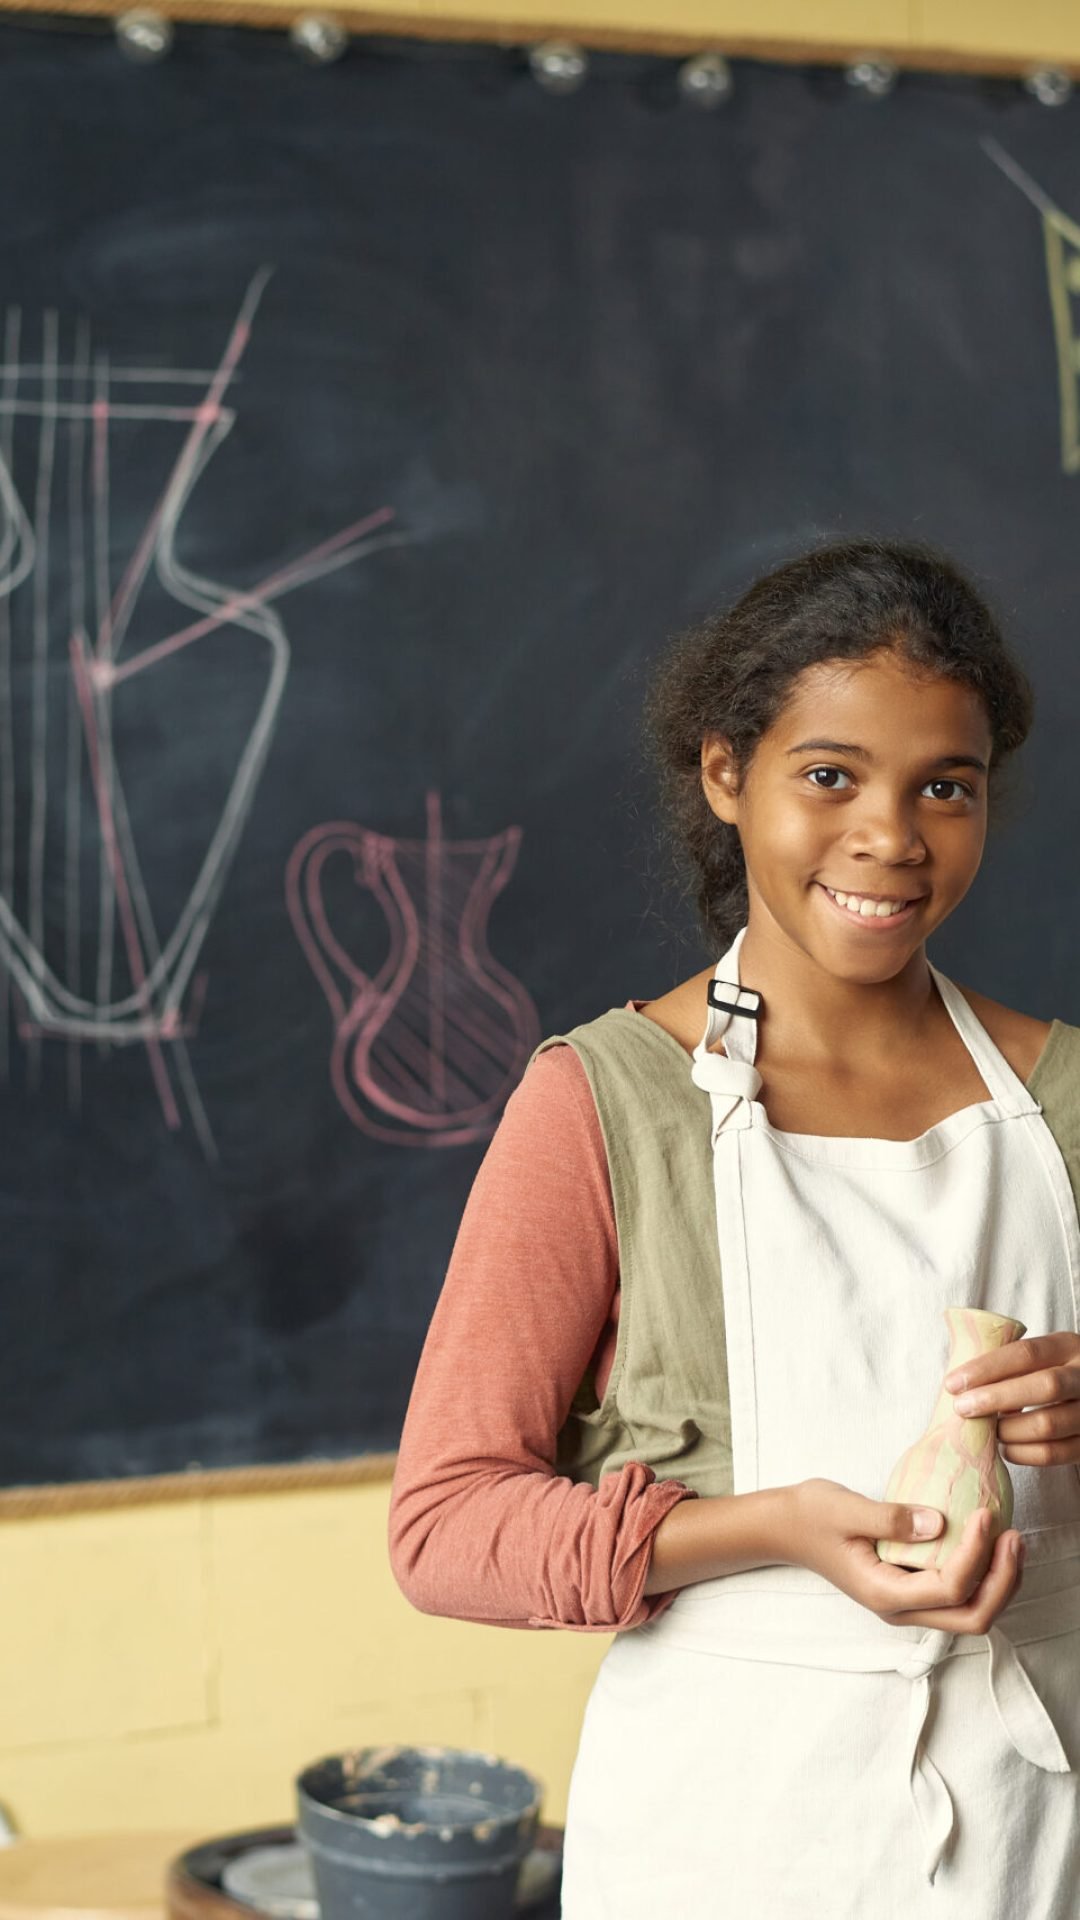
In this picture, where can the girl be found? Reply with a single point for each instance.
(694, 1312)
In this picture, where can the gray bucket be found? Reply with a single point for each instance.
(416, 1833)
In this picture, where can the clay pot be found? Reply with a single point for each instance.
(955, 1466)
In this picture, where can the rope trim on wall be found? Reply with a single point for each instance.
(219, 1483)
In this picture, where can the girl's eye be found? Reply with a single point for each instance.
(838, 770)
(965, 790)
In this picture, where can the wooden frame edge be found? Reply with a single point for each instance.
(360, 22)
(218, 1483)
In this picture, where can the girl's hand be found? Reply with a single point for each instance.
(833, 1531)
(1043, 1374)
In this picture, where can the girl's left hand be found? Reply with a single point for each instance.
(1042, 1374)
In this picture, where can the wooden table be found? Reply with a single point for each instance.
(91, 1876)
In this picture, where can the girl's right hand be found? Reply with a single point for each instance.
(834, 1530)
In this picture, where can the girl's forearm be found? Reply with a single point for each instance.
(702, 1539)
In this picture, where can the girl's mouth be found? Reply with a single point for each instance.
(873, 922)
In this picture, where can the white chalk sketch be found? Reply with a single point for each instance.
(1061, 238)
(65, 422)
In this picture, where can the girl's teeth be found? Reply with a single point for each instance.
(868, 909)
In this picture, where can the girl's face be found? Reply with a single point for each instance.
(871, 781)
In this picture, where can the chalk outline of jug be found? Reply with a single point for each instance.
(373, 1000)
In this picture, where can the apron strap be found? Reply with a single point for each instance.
(726, 998)
(727, 1078)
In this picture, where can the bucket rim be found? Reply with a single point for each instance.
(496, 1818)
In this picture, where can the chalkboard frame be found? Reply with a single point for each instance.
(23, 1500)
(219, 1483)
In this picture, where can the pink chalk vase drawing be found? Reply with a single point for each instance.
(955, 1466)
(426, 1050)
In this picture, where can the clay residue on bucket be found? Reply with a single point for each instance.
(360, 1765)
(372, 1776)
(382, 1825)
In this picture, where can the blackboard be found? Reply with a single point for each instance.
(366, 431)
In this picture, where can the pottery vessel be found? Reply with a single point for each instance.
(955, 1466)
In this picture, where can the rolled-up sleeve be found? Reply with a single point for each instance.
(481, 1525)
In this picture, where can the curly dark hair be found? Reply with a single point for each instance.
(732, 674)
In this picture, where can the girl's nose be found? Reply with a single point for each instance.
(889, 837)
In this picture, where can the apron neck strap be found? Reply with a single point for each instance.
(730, 1004)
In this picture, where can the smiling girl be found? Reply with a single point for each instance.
(695, 1311)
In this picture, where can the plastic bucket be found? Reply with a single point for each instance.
(416, 1833)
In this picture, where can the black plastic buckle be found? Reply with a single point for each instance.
(728, 1006)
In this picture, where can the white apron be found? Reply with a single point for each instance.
(767, 1748)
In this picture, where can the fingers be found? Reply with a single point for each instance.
(978, 1613)
(968, 1593)
(905, 1523)
(953, 1583)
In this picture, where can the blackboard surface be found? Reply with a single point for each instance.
(365, 431)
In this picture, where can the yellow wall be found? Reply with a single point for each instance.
(174, 1666)
(919, 32)
(973, 30)
(1041, 29)
(826, 20)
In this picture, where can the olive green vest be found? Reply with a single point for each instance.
(666, 1401)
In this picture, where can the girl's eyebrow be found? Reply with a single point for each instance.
(861, 753)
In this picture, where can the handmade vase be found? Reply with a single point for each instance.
(956, 1465)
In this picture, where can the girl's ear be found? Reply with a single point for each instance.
(718, 778)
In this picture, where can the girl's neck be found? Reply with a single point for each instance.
(813, 1018)
(841, 1023)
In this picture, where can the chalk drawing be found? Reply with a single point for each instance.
(427, 1049)
(1061, 239)
(59, 483)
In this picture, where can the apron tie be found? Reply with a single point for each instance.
(1019, 1707)
(727, 1083)
(1022, 1714)
(722, 1623)
(930, 1797)
(1021, 1711)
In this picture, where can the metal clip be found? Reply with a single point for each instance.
(728, 1006)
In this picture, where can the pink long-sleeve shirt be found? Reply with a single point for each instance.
(481, 1526)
